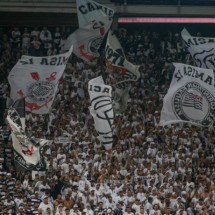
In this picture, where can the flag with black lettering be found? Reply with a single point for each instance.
(94, 22)
(119, 67)
(190, 98)
(202, 49)
(101, 109)
(27, 151)
(93, 15)
(36, 79)
(120, 71)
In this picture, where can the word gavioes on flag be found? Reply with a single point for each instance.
(36, 79)
(101, 109)
(190, 98)
(27, 151)
(202, 49)
(121, 71)
(94, 22)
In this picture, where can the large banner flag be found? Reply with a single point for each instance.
(121, 72)
(94, 22)
(202, 49)
(101, 109)
(121, 69)
(86, 43)
(94, 15)
(190, 98)
(36, 79)
(27, 151)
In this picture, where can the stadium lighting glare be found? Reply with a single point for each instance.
(165, 20)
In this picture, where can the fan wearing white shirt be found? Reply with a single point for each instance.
(128, 211)
(46, 204)
(88, 210)
(61, 157)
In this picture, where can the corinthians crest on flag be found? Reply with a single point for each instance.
(202, 49)
(94, 22)
(190, 98)
(36, 79)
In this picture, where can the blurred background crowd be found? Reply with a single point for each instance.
(151, 170)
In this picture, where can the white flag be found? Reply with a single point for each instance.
(191, 96)
(122, 69)
(93, 15)
(101, 109)
(121, 72)
(36, 79)
(86, 43)
(202, 49)
(94, 22)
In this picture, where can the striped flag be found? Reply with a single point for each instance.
(192, 100)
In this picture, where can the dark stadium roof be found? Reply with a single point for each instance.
(167, 2)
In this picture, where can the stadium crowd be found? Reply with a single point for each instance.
(151, 170)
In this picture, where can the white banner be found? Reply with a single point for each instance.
(93, 15)
(94, 22)
(86, 43)
(101, 109)
(36, 79)
(202, 49)
(122, 70)
(190, 98)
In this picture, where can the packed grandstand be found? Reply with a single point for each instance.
(150, 170)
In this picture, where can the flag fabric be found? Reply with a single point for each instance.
(101, 109)
(36, 79)
(121, 72)
(86, 43)
(202, 49)
(122, 69)
(93, 15)
(94, 22)
(27, 151)
(190, 98)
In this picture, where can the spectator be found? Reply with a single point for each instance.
(46, 205)
(151, 169)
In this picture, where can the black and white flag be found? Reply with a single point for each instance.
(121, 72)
(122, 69)
(101, 109)
(94, 21)
(202, 49)
(27, 151)
(190, 98)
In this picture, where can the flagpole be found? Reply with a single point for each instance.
(24, 114)
(103, 71)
